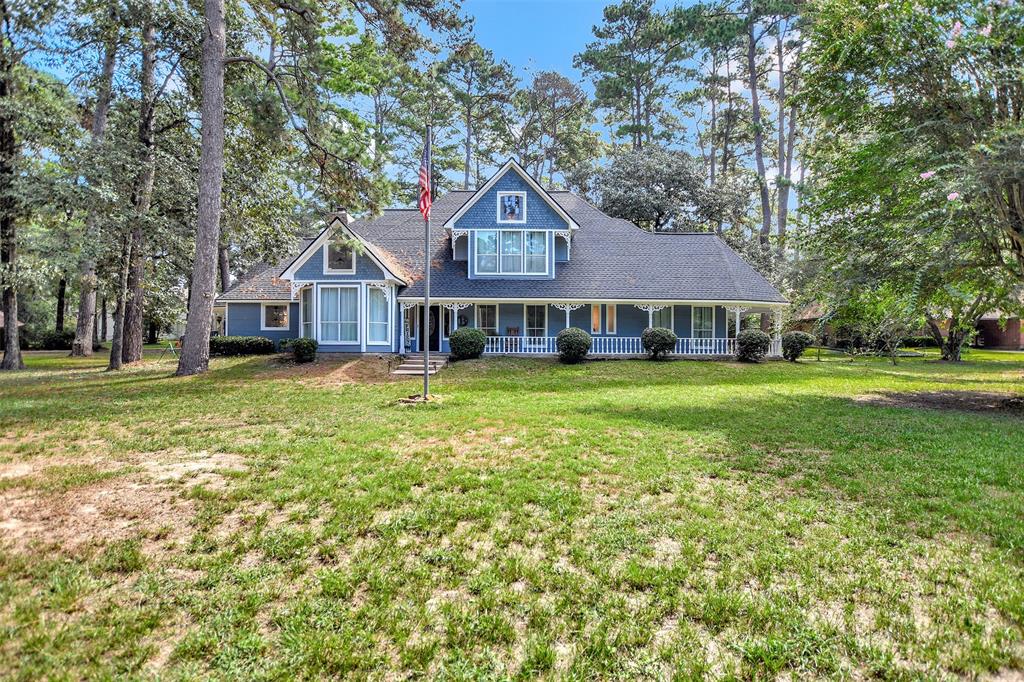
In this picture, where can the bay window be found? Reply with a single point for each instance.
(339, 314)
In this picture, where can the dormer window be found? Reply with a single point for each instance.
(511, 207)
(339, 259)
(511, 252)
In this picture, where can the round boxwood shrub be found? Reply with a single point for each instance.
(658, 341)
(467, 343)
(573, 345)
(752, 345)
(240, 345)
(794, 344)
(304, 350)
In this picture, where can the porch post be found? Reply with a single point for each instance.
(566, 317)
(650, 316)
(739, 312)
(401, 329)
(777, 325)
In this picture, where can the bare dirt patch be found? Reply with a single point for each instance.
(328, 371)
(964, 401)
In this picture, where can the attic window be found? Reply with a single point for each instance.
(511, 207)
(340, 259)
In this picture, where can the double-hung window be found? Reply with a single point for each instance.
(377, 316)
(611, 318)
(595, 319)
(487, 319)
(703, 322)
(487, 251)
(306, 298)
(339, 314)
(662, 318)
(511, 252)
(536, 320)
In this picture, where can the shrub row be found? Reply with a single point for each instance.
(919, 342)
(240, 345)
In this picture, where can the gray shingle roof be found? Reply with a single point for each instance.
(611, 259)
(262, 281)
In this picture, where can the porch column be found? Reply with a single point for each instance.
(738, 311)
(777, 327)
(568, 308)
(405, 306)
(651, 309)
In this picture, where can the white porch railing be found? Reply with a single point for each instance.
(615, 345)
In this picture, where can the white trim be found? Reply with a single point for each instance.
(319, 318)
(611, 330)
(511, 163)
(327, 269)
(600, 319)
(325, 234)
(387, 306)
(510, 193)
(535, 305)
(622, 301)
(693, 318)
(287, 316)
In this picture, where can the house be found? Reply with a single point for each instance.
(511, 258)
(3, 337)
(1001, 331)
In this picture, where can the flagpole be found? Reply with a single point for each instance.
(425, 333)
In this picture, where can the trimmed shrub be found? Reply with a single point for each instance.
(304, 350)
(573, 345)
(919, 342)
(240, 345)
(752, 345)
(467, 343)
(54, 340)
(794, 344)
(658, 341)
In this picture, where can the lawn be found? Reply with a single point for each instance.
(612, 520)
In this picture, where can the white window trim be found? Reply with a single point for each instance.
(611, 330)
(476, 315)
(263, 317)
(693, 319)
(329, 271)
(319, 316)
(522, 256)
(387, 306)
(497, 208)
(600, 319)
(535, 305)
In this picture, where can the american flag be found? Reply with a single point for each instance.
(424, 205)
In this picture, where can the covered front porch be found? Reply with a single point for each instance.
(703, 328)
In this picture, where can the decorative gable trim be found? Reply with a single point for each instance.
(533, 184)
(289, 272)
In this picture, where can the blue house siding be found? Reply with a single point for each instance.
(683, 316)
(244, 320)
(483, 215)
(313, 269)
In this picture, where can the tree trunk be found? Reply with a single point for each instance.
(117, 340)
(195, 350)
(713, 156)
(82, 345)
(103, 319)
(755, 114)
(132, 334)
(62, 296)
(224, 263)
(8, 235)
(469, 147)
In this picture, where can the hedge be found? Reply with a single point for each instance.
(919, 342)
(573, 344)
(240, 345)
(658, 341)
(467, 343)
(752, 345)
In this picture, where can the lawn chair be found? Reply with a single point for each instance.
(172, 347)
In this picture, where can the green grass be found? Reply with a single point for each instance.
(619, 519)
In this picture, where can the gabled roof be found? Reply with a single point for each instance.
(511, 164)
(383, 260)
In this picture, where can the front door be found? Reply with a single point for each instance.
(431, 328)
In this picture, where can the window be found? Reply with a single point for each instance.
(595, 319)
(448, 326)
(703, 322)
(511, 252)
(662, 318)
(487, 251)
(339, 314)
(411, 320)
(377, 316)
(511, 207)
(339, 258)
(487, 319)
(536, 320)
(275, 316)
(536, 252)
(611, 321)
(306, 298)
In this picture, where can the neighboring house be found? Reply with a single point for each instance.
(512, 259)
(3, 341)
(1000, 331)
